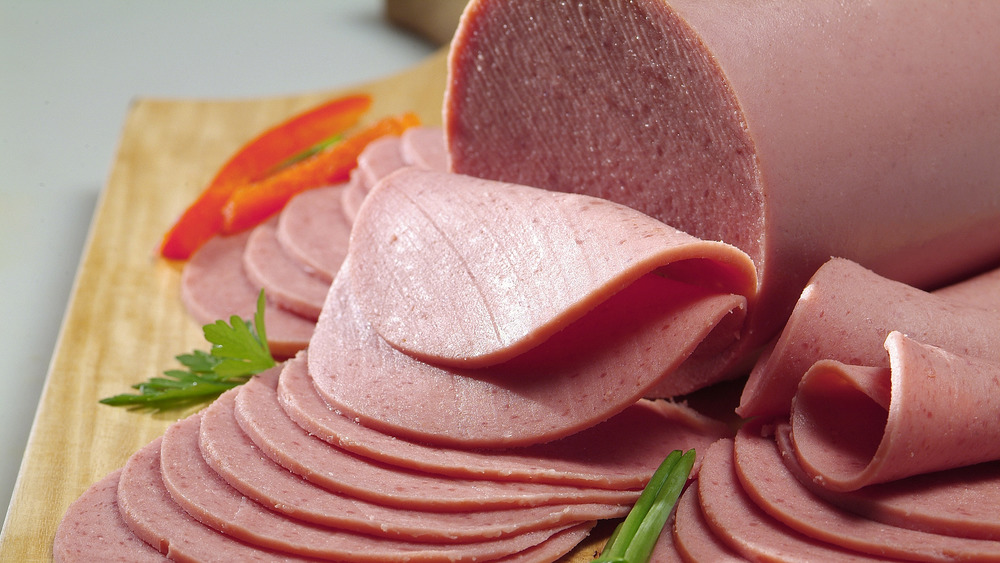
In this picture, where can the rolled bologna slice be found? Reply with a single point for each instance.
(931, 410)
(845, 314)
(795, 130)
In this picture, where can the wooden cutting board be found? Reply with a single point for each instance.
(125, 322)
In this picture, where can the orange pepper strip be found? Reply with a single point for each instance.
(252, 204)
(203, 219)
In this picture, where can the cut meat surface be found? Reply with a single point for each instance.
(235, 458)
(261, 417)
(692, 538)
(694, 117)
(92, 529)
(931, 410)
(214, 286)
(620, 453)
(286, 282)
(424, 147)
(314, 229)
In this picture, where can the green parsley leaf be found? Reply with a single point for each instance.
(239, 351)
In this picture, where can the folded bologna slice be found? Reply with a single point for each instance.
(780, 492)
(92, 529)
(620, 453)
(587, 316)
(795, 131)
(931, 410)
(215, 286)
(846, 312)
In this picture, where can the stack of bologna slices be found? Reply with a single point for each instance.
(480, 328)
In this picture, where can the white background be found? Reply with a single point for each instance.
(68, 71)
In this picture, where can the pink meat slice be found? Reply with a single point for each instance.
(620, 453)
(353, 195)
(214, 286)
(931, 410)
(260, 415)
(285, 281)
(465, 272)
(958, 502)
(314, 229)
(235, 458)
(552, 549)
(209, 499)
(594, 369)
(380, 158)
(696, 118)
(745, 528)
(692, 538)
(779, 492)
(845, 314)
(424, 147)
(92, 529)
(151, 513)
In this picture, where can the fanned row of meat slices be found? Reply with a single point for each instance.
(490, 328)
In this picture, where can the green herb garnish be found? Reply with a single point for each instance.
(239, 351)
(634, 539)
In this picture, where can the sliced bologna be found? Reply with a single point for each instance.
(149, 511)
(92, 529)
(779, 491)
(214, 286)
(210, 500)
(796, 131)
(931, 410)
(314, 229)
(748, 530)
(620, 453)
(690, 535)
(261, 417)
(846, 312)
(235, 458)
(424, 147)
(286, 282)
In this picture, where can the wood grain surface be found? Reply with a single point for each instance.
(124, 322)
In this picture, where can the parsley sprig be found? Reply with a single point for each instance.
(239, 351)
(634, 539)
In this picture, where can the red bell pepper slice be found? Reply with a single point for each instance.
(253, 203)
(255, 160)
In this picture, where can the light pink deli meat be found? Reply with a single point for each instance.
(92, 529)
(261, 417)
(214, 286)
(314, 229)
(768, 479)
(845, 314)
(634, 314)
(235, 458)
(209, 499)
(795, 131)
(930, 410)
(286, 282)
(620, 453)
(150, 512)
